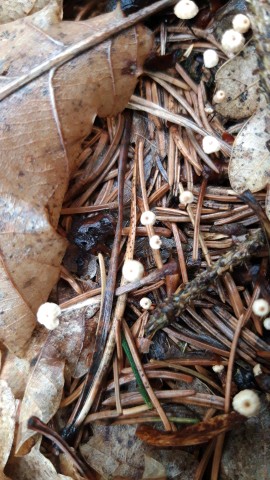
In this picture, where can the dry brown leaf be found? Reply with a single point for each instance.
(42, 126)
(153, 469)
(11, 10)
(67, 467)
(267, 201)
(7, 424)
(15, 371)
(249, 167)
(239, 79)
(115, 451)
(44, 388)
(33, 466)
(49, 15)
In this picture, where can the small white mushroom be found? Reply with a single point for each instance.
(246, 403)
(219, 96)
(210, 144)
(155, 242)
(208, 109)
(266, 323)
(132, 270)
(260, 307)
(145, 303)
(148, 218)
(186, 197)
(241, 23)
(48, 314)
(186, 9)
(210, 58)
(232, 41)
(257, 370)
(218, 368)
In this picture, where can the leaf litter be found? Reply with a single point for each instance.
(132, 389)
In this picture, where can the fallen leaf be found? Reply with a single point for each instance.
(239, 79)
(44, 388)
(42, 127)
(153, 469)
(194, 435)
(33, 466)
(115, 451)
(15, 371)
(67, 467)
(267, 202)
(7, 424)
(251, 201)
(86, 354)
(11, 10)
(249, 167)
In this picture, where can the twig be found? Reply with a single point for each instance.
(34, 423)
(221, 438)
(138, 103)
(139, 381)
(174, 305)
(144, 379)
(105, 314)
(197, 220)
(180, 253)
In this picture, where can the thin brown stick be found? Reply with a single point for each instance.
(180, 253)
(197, 220)
(82, 408)
(116, 386)
(150, 391)
(221, 438)
(34, 423)
(150, 228)
(204, 460)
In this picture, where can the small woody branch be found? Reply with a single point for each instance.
(173, 306)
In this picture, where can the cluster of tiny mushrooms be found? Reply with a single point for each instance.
(246, 402)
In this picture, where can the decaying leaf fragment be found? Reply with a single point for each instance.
(114, 451)
(194, 435)
(153, 469)
(11, 10)
(15, 371)
(249, 167)
(7, 424)
(239, 79)
(42, 126)
(33, 466)
(44, 388)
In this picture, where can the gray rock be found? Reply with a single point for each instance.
(247, 450)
